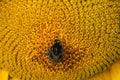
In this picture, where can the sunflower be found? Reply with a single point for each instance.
(89, 32)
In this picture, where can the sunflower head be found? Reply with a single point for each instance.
(81, 37)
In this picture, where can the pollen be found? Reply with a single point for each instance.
(89, 31)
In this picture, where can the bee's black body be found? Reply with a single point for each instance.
(56, 51)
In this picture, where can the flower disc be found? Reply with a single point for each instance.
(89, 31)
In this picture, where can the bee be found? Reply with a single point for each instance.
(55, 53)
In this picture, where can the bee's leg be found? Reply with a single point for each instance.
(46, 53)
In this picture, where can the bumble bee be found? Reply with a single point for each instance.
(55, 53)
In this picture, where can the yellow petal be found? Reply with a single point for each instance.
(3, 75)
